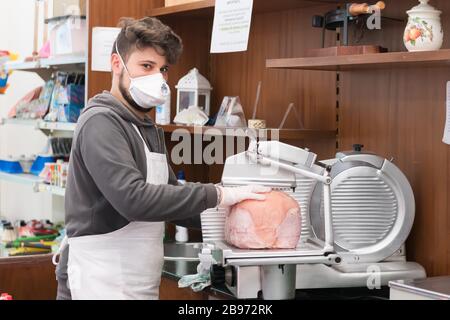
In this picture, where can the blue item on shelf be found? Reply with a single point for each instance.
(10, 166)
(39, 164)
(71, 104)
(3, 80)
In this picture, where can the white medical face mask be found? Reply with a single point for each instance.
(147, 91)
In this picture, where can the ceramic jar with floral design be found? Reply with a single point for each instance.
(424, 30)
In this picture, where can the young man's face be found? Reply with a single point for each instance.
(140, 63)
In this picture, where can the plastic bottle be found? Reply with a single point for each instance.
(181, 233)
(163, 113)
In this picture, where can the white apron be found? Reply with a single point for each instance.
(123, 264)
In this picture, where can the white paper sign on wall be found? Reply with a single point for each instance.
(102, 42)
(231, 27)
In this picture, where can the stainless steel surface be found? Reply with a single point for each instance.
(188, 251)
(364, 208)
(434, 288)
(344, 241)
(277, 165)
(278, 282)
(372, 207)
(355, 275)
(302, 194)
(284, 152)
(241, 169)
(213, 225)
(247, 282)
(317, 259)
(304, 250)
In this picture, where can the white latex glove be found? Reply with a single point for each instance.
(233, 195)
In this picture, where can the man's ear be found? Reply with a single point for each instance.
(116, 65)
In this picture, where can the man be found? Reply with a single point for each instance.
(120, 189)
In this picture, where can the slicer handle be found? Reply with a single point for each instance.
(357, 9)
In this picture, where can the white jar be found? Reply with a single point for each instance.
(424, 29)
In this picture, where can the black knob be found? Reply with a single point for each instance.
(358, 147)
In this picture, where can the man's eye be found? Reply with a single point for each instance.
(147, 66)
(164, 69)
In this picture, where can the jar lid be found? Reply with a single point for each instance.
(424, 7)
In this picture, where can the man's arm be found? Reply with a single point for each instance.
(192, 222)
(108, 159)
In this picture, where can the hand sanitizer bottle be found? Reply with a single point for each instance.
(181, 233)
(163, 113)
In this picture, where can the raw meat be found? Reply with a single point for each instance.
(268, 224)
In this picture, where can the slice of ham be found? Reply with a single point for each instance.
(268, 224)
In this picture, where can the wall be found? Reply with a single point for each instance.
(400, 113)
(19, 201)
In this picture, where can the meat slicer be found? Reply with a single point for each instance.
(357, 212)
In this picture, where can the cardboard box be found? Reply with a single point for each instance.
(69, 7)
(169, 3)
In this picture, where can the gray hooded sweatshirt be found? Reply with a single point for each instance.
(106, 186)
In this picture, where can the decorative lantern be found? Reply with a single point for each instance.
(193, 90)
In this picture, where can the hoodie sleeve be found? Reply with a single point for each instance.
(192, 222)
(108, 158)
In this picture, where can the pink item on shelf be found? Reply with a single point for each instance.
(45, 50)
(30, 96)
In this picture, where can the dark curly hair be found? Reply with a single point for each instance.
(148, 32)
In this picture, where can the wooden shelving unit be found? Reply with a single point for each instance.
(31, 259)
(366, 61)
(205, 8)
(282, 134)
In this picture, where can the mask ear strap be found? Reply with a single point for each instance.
(121, 60)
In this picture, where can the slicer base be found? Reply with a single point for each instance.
(246, 282)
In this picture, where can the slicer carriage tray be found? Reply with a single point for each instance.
(306, 253)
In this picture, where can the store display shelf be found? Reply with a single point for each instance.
(41, 124)
(205, 8)
(54, 62)
(57, 191)
(36, 182)
(21, 178)
(439, 58)
(57, 126)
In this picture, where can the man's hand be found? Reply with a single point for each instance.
(232, 195)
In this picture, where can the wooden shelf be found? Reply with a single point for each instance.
(283, 134)
(205, 8)
(365, 61)
(31, 259)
